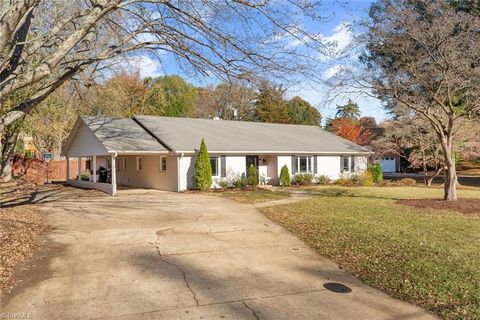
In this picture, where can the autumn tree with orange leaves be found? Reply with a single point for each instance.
(351, 129)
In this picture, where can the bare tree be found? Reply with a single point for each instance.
(423, 57)
(44, 43)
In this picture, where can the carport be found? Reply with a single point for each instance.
(116, 151)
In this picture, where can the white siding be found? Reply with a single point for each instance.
(329, 166)
(186, 172)
(361, 164)
(235, 166)
(150, 176)
(85, 144)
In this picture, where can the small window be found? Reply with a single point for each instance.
(302, 164)
(124, 164)
(139, 163)
(109, 163)
(163, 163)
(346, 164)
(214, 165)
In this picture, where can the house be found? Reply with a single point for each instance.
(160, 152)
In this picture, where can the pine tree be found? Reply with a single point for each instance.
(203, 170)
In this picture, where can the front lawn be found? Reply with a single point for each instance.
(254, 195)
(429, 257)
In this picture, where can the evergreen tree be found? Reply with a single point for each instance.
(349, 110)
(271, 105)
(302, 112)
(285, 179)
(203, 170)
(252, 176)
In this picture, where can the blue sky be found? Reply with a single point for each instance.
(339, 14)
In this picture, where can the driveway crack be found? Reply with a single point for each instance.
(184, 274)
(251, 309)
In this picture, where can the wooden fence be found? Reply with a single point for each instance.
(40, 171)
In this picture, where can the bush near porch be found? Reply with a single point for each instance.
(422, 255)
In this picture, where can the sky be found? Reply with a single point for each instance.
(339, 15)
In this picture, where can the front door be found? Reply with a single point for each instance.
(252, 160)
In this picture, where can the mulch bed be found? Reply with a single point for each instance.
(464, 205)
(21, 225)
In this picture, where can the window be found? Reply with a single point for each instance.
(139, 163)
(214, 165)
(109, 163)
(346, 164)
(302, 164)
(163, 163)
(124, 164)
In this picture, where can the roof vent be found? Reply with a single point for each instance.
(216, 118)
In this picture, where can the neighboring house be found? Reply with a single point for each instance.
(389, 161)
(160, 152)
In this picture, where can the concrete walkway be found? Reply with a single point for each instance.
(148, 254)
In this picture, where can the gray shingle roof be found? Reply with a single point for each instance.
(122, 135)
(184, 134)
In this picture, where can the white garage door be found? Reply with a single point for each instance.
(388, 164)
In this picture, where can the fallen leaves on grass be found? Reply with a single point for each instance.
(461, 205)
(20, 227)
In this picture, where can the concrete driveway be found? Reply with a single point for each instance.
(148, 254)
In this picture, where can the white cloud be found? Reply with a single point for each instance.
(342, 37)
(145, 65)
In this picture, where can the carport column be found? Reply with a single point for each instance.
(114, 175)
(79, 166)
(94, 168)
(68, 168)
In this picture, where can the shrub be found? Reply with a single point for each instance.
(304, 178)
(365, 179)
(223, 183)
(252, 176)
(85, 176)
(344, 182)
(285, 179)
(408, 182)
(322, 179)
(239, 182)
(376, 170)
(28, 154)
(203, 170)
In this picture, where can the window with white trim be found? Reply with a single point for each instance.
(214, 165)
(139, 163)
(163, 163)
(303, 164)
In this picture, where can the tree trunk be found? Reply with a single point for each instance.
(450, 184)
(430, 179)
(8, 152)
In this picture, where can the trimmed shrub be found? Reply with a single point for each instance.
(252, 176)
(285, 179)
(376, 170)
(223, 183)
(323, 179)
(304, 178)
(408, 182)
(203, 170)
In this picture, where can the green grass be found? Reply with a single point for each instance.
(252, 196)
(428, 257)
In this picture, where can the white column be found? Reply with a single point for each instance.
(79, 166)
(114, 175)
(68, 168)
(94, 168)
